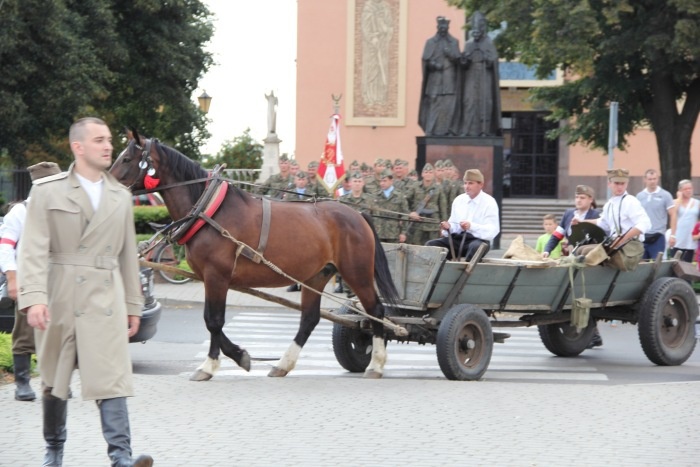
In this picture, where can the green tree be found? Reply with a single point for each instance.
(131, 63)
(644, 54)
(243, 152)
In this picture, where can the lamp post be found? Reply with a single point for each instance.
(204, 102)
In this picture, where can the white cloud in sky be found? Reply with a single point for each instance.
(254, 49)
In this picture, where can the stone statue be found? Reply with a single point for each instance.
(271, 112)
(481, 98)
(438, 100)
(377, 29)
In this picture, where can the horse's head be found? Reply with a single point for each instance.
(134, 162)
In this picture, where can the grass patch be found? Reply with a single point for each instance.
(6, 363)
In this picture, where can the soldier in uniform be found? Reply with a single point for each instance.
(426, 199)
(452, 186)
(401, 181)
(301, 191)
(281, 181)
(390, 226)
(22, 333)
(357, 198)
(361, 202)
(372, 182)
(366, 170)
(293, 167)
(315, 186)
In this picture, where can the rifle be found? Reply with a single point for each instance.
(422, 211)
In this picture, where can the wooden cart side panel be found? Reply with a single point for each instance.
(414, 270)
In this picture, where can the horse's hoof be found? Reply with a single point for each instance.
(372, 374)
(277, 372)
(244, 361)
(200, 375)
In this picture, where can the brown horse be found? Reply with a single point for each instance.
(309, 241)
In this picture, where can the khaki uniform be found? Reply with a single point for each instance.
(306, 195)
(317, 188)
(275, 183)
(419, 233)
(390, 229)
(83, 265)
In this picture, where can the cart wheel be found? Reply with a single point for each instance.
(564, 340)
(667, 317)
(352, 348)
(464, 343)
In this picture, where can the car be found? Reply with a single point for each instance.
(149, 318)
(148, 199)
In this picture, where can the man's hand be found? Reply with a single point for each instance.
(133, 322)
(38, 317)
(414, 216)
(545, 254)
(444, 225)
(465, 225)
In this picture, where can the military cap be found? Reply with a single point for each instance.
(379, 161)
(43, 169)
(388, 164)
(364, 166)
(618, 175)
(301, 174)
(354, 164)
(294, 162)
(473, 175)
(402, 162)
(284, 157)
(439, 164)
(413, 173)
(356, 175)
(313, 164)
(386, 174)
(585, 190)
(448, 164)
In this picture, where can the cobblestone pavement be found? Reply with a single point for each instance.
(321, 421)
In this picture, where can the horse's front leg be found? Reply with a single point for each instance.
(310, 316)
(214, 318)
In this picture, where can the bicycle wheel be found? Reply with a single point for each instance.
(171, 255)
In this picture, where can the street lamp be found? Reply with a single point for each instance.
(204, 102)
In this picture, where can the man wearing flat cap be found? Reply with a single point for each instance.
(623, 217)
(584, 209)
(473, 221)
(23, 345)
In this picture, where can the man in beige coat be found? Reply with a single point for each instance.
(79, 284)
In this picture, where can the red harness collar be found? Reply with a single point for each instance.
(213, 206)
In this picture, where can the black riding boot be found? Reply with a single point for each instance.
(339, 284)
(115, 429)
(22, 365)
(55, 410)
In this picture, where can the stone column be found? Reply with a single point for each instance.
(271, 154)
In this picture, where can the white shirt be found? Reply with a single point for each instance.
(621, 213)
(11, 229)
(93, 190)
(481, 212)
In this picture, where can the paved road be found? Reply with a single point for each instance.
(529, 411)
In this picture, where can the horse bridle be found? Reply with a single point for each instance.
(146, 163)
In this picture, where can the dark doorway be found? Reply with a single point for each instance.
(531, 161)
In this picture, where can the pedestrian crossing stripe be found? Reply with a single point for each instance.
(268, 335)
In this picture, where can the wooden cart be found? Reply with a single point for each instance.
(457, 306)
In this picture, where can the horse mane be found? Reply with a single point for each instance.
(183, 168)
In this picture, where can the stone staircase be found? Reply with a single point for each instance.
(524, 216)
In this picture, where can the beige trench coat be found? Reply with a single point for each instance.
(83, 264)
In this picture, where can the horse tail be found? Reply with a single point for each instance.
(382, 275)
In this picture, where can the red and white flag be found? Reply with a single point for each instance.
(331, 169)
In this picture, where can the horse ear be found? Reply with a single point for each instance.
(134, 134)
(129, 134)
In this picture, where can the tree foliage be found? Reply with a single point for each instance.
(132, 63)
(644, 54)
(243, 152)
